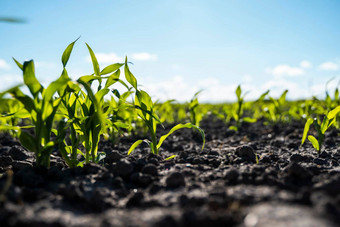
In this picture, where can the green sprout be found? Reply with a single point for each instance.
(275, 111)
(195, 116)
(85, 112)
(146, 111)
(42, 107)
(320, 127)
(237, 112)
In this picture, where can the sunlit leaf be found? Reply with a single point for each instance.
(29, 78)
(134, 145)
(94, 61)
(333, 112)
(67, 52)
(180, 126)
(111, 68)
(129, 76)
(314, 142)
(306, 129)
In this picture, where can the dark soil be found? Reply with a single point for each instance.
(219, 186)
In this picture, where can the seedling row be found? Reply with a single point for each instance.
(73, 116)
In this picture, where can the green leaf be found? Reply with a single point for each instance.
(282, 98)
(238, 92)
(262, 97)
(67, 52)
(89, 78)
(314, 142)
(100, 94)
(28, 141)
(53, 87)
(234, 128)
(114, 77)
(29, 78)
(171, 157)
(129, 76)
(306, 129)
(333, 112)
(116, 93)
(324, 125)
(27, 101)
(336, 94)
(19, 64)
(180, 126)
(94, 61)
(9, 127)
(99, 111)
(134, 145)
(111, 68)
(249, 119)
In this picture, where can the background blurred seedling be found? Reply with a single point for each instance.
(320, 127)
(145, 110)
(238, 112)
(194, 114)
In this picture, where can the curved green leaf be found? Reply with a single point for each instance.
(180, 126)
(48, 93)
(18, 64)
(29, 78)
(171, 157)
(129, 76)
(94, 61)
(306, 129)
(111, 68)
(314, 142)
(333, 112)
(67, 52)
(114, 77)
(134, 145)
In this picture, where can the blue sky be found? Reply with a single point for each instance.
(180, 47)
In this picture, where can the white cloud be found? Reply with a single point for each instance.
(329, 66)
(285, 70)
(144, 57)
(107, 58)
(9, 80)
(305, 64)
(247, 78)
(182, 89)
(4, 64)
(277, 86)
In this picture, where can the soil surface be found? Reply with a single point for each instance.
(257, 176)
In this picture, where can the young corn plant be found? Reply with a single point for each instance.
(85, 113)
(320, 127)
(42, 107)
(195, 116)
(145, 110)
(238, 112)
(121, 115)
(275, 111)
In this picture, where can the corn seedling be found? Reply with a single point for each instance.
(42, 107)
(145, 110)
(195, 116)
(275, 111)
(320, 127)
(237, 113)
